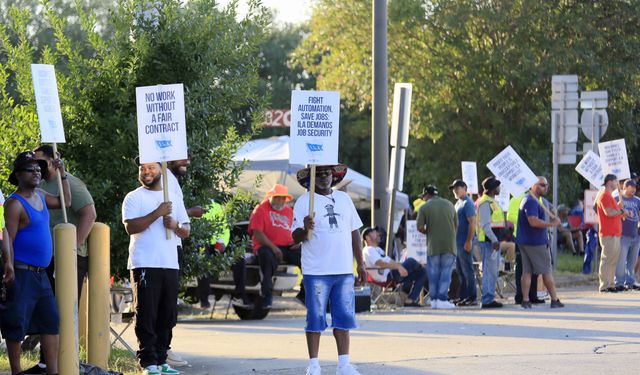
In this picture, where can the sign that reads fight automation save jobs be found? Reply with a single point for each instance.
(315, 127)
(162, 132)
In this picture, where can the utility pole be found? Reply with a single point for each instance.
(379, 122)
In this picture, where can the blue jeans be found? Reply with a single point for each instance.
(336, 290)
(439, 269)
(590, 250)
(466, 276)
(414, 280)
(625, 271)
(489, 272)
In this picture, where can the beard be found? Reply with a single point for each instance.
(155, 182)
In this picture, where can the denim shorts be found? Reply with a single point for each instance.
(336, 289)
(31, 307)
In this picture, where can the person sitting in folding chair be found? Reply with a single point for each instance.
(410, 273)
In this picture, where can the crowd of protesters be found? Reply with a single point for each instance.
(460, 236)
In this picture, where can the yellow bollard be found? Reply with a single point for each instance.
(83, 310)
(99, 296)
(64, 237)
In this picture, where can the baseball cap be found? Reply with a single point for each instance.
(430, 189)
(366, 231)
(23, 159)
(490, 183)
(457, 183)
(630, 182)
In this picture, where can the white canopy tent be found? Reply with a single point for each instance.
(268, 163)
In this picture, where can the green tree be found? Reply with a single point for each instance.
(145, 43)
(481, 73)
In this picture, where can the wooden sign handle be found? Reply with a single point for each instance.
(312, 193)
(60, 191)
(165, 191)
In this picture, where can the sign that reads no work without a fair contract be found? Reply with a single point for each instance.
(613, 156)
(48, 103)
(162, 131)
(511, 170)
(315, 117)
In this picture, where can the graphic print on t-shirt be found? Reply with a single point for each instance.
(333, 220)
(279, 221)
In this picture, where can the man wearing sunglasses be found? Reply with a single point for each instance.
(31, 306)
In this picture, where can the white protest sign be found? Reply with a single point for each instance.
(416, 243)
(591, 169)
(48, 103)
(503, 199)
(315, 127)
(162, 130)
(470, 176)
(508, 167)
(613, 156)
(590, 215)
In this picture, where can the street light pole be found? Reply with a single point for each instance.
(379, 122)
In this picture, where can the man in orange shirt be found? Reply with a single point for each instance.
(270, 229)
(610, 215)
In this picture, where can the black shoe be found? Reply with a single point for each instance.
(609, 290)
(537, 301)
(620, 288)
(557, 304)
(412, 304)
(36, 369)
(205, 305)
(493, 305)
(526, 305)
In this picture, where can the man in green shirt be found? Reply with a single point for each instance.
(437, 218)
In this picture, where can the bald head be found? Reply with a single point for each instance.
(540, 187)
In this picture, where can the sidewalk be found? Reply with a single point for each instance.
(594, 334)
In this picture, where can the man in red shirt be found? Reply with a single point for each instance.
(270, 228)
(610, 215)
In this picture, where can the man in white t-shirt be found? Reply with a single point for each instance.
(327, 262)
(410, 273)
(153, 262)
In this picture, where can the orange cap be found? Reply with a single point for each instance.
(279, 190)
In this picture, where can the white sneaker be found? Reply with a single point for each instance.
(313, 370)
(174, 359)
(446, 305)
(434, 304)
(542, 295)
(347, 369)
(151, 370)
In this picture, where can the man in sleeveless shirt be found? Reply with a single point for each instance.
(31, 306)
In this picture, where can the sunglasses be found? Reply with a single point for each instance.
(544, 185)
(31, 170)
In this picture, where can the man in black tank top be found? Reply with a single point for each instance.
(31, 306)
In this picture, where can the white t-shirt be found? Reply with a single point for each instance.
(371, 256)
(329, 251)
(150, 248)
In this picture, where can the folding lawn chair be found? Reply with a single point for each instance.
(120, 297)
(387, 293)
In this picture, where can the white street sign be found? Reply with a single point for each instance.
(591, 169)
(588, 98)
(162, 131)
(511, 170)
(613, 156)
(587, 122)
(47, 103)
(470, 176)
(315, 127)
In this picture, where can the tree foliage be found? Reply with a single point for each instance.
(146, 43)
(481, 73)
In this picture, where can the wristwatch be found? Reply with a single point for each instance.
(179, 226)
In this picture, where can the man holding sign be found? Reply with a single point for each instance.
(610, 215)
(153, 261)
(327, 261)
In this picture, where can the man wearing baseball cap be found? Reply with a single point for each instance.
(630, 240)
(270, 229)
(610, 215)
(437, 219)
(31, 306)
